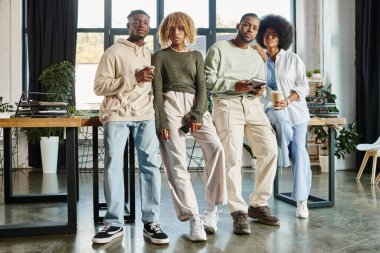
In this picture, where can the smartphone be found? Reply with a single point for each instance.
(185, 128)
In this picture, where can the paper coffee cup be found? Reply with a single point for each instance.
(277, 97)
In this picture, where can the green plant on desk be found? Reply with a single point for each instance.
(5, 106)
(325, 95)
(57, 80)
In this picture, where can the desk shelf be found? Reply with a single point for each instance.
(41, 105)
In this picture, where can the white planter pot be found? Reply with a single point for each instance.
(324, 163)
(5, 115)
(316, 76)
(49, 153)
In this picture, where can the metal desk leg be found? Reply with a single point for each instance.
(314, 201)
(71, 175)
(8, 185)
(46, 228)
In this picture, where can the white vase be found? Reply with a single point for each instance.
(49, 153)
(324, 163)
(5, 115)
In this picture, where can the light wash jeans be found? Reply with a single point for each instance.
(295, 136)
(115, 137)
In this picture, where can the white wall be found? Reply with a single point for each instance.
(326, 40)
(343, 63)
(307, 32)
(10, 50)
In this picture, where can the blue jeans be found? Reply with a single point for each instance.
(115, 137)
(291, 141)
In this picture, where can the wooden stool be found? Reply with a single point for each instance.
(374, 151)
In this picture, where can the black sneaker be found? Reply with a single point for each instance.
(154, 234)
(263, 215)
(107, 234)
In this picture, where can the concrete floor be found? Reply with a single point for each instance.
(352, 225)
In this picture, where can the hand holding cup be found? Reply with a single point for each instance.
(277, 99)
(145, 74)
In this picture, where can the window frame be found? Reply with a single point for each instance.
(109, 32)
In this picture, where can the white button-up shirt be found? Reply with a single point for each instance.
(291, 76)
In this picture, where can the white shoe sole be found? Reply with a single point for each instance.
(198, 239)
(108, 239)
(302, 215)
(150, 239)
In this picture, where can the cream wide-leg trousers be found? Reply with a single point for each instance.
(234, 117)
(177, 106)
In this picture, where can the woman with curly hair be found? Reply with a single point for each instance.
(180, 103)
(286, 73)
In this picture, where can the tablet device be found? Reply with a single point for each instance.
(256, 83)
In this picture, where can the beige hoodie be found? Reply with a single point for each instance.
(124, 98)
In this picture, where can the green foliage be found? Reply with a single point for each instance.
(345, 142)
(316, 71)
(309, 74)
(325, 95)
(34, 134)
(58, 79)
(5, 106)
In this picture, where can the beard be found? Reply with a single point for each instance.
(136, 37)
(242, 38)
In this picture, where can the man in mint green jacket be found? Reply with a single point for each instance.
(238, 110)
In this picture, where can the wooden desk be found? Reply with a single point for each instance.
(314, 201)
(70, 124)
(129, 173)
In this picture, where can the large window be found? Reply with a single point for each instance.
(228, 12)
(102, 22)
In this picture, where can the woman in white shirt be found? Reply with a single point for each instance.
(286, 73)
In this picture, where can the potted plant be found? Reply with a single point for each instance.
(57, 79)
(346, 140)
(316, 74)
(325, 95)
(5, 109)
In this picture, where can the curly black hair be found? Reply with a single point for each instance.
(282, 26)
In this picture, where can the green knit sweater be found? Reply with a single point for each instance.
(181, 72)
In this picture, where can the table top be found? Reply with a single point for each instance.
(40, 122)
(94, 121)
(316, 121)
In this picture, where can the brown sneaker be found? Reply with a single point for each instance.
(263, 215)
(241, 225)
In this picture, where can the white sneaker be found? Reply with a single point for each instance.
(197, 232)
(302, 211)
(210, 221)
